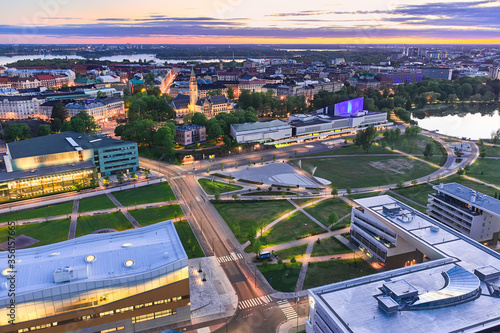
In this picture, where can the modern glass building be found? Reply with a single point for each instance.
(128, 281)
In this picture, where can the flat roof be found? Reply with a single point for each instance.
(149, 248)
(483, 201)
(259, 125)
(8, 176)
(353, 305)
(57, 143)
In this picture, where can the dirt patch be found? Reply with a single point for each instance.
(399, 165)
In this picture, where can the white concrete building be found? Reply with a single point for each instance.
(20, 107)
(261, 131)
(472, 213)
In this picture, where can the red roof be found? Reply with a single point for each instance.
(45, 77)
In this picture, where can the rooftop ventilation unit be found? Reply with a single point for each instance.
(68, 274)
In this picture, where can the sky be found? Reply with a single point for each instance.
(250, 22)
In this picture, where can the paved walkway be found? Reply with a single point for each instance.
(303, 270)
(307, 240)
(74, 217)
(307, 214)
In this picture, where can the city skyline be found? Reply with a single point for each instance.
(244, 22)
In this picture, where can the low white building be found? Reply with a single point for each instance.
(261, 131)
(20, 107)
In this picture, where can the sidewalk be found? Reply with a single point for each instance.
(290, 326)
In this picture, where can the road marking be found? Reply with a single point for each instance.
(287, 309)
(266, 299)
(249, 303)
(231, 257)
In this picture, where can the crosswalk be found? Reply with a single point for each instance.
(231, 257)
(287, 309)
(249, 303)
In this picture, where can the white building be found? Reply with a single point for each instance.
(20, 107)
(261, 131)
(455, 289)
(472, 213)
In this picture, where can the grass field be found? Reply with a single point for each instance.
(323, 209)
(241, 217)
(420, 141)
(282, 277)
(407, 202)
(296, 251)
(353, 150)
(46, 232)
(97, 203)
(189, 241)
(486, 170)
(329, 246)
(321, 273)
(418, 193)
(488, 190)
(363, 195)
(492, 151)
(54, 210)
(88, 224)
(439, 159)
(302, 202)
(367, 171)
(146, 194)
(215, 186)
(294, 227)
(149, 216)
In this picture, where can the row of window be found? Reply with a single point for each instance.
(153, 315)
(38, 327)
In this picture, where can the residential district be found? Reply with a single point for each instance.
(249, 195)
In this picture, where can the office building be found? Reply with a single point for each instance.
(101, 109)
(470, 212)
(62, 162)
(128, 281)
(443, 73)
(189, 134)
(261, 131)
(446, 283)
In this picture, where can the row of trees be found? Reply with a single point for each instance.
(267, 104)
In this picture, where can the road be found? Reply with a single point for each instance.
(216, 238)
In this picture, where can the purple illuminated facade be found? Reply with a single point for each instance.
(349, 108)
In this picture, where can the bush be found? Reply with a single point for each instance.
(293, 260)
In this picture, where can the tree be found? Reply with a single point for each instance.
(461, 172)
(495, 136)
(251, 235)
(235, 196)
(365, 138)
(119, 177)
(199, 119)
(429, 150)
(230, 93)
(256, 246)
(164, 137)
(146, 173)
(59, 112)
(333, 218)
(17, 132)
(348, 190)
(44, 130)
(335, 191)
(467, 168)
(222, 166)
(214, 129)
(400, 184)
(217, 196)
(56, 125)
(293, 260)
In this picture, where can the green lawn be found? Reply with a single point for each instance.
(97, 203)
(488, 190)
(149, 216)
(89, 224)
(486, 170)
(54, 210)
(418, 193)
(146, 194)
(439, 159)
(363, 195)
(323, 209)
(282, 277)
(303, 202)
(329, 246)
(367, 171)
(189, 241)
(241, 217)
(47, 232)
(420, 142)
(294, 227)
(409, 203)
(215, 186)
(492, 151)
(296, 251)
(322, 273)
(353, 150)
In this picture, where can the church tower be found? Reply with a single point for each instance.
(193, 91)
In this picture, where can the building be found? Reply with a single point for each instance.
(494, 72)
(443, 73)
(261, 131)
(391, 79)
(446, 282)
(472, 213)
(127, 281)
(210, 105)
(21, 107)
(101, 109)
(189, 134)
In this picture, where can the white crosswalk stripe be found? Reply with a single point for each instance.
(231, 257)
(249, 303)
(287, 309)
(266, 299)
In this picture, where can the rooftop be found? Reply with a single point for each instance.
(471, 197)
(353, 304)
(259, 125)
(58, 143)
(100, 256)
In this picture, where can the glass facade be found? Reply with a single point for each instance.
(111, 160)
(29, 187)
(76, 296)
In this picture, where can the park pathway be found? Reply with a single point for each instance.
(307, 214)
(305, 264)
(307, 240)
(74, 218)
